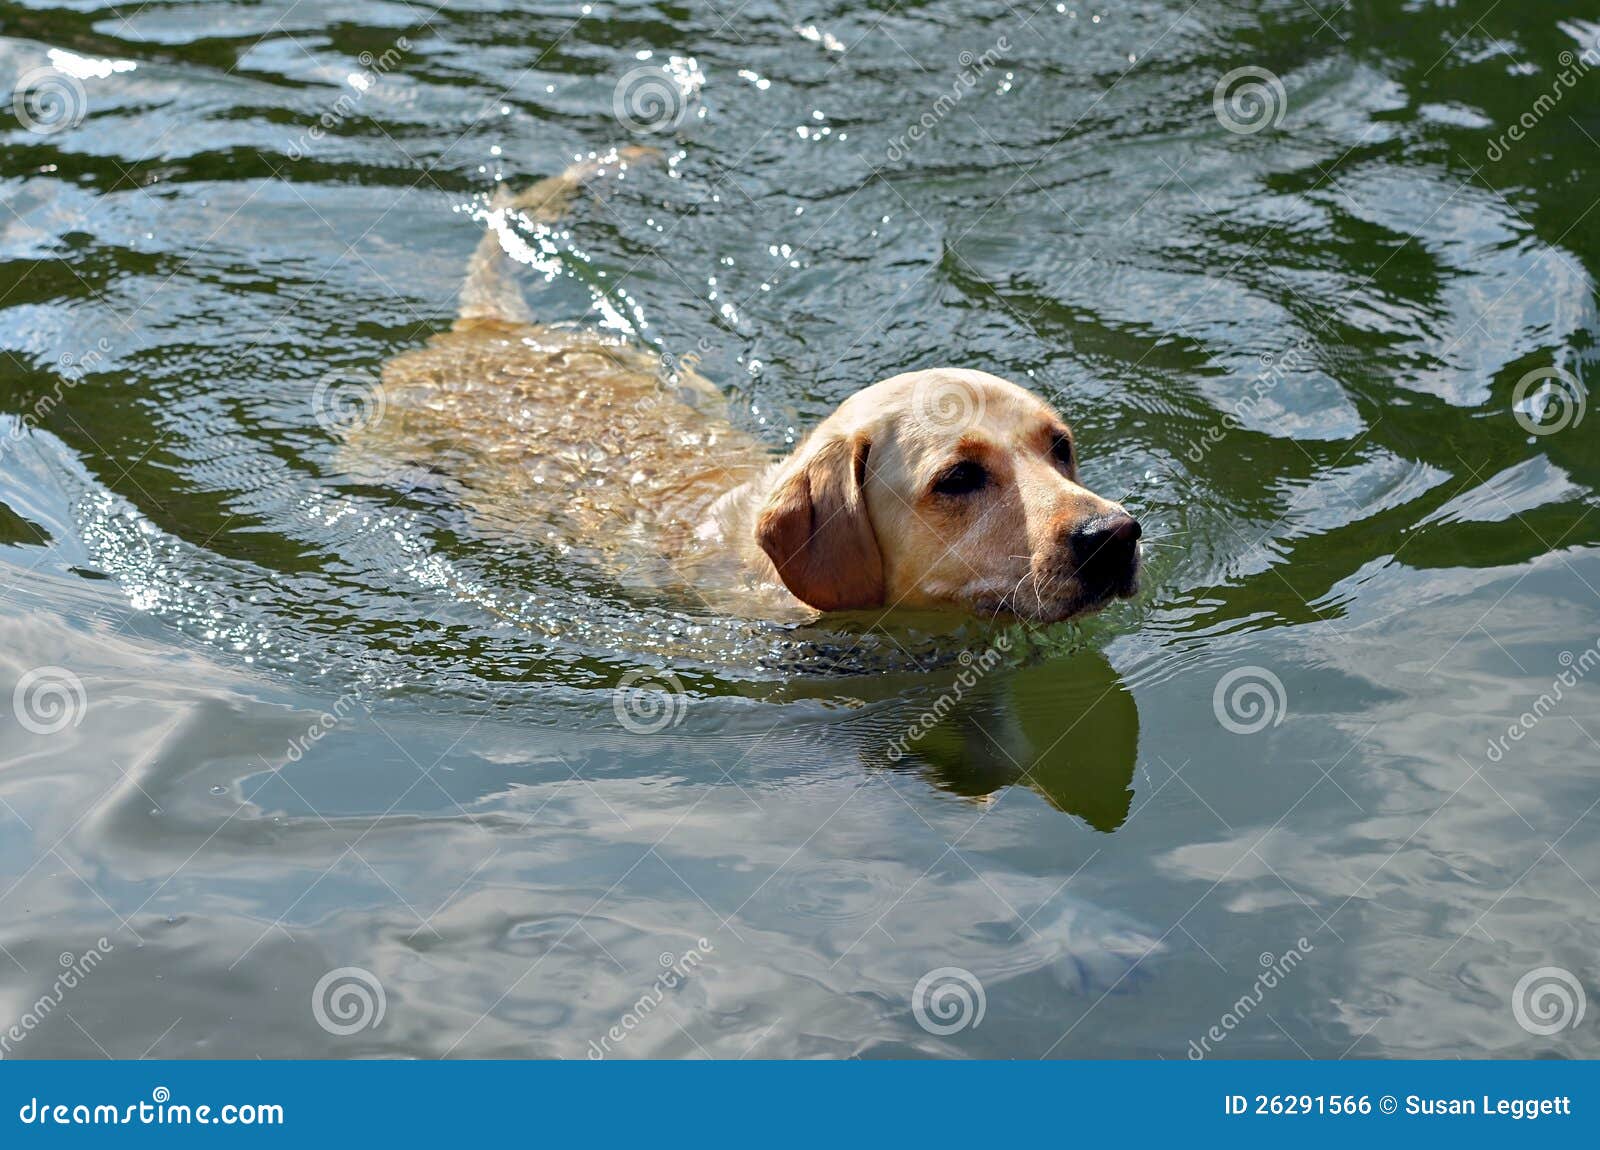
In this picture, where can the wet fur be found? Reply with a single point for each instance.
(582, 442)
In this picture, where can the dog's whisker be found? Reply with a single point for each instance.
(1012, 596)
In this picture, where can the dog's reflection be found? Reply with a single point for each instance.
(1068, 728)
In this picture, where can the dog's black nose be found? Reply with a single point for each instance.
(1106, 546)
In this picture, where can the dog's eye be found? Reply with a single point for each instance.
(962, 479)
(1061, 450)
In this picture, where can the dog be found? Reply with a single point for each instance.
(946, 489)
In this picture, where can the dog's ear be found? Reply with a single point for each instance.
(814, 527)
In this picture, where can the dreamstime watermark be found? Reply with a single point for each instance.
(159, 1111)
(675, 366)
(1577, 666)
(374, 68)
(1547, 400)
(1273, 370)
(298, 747)
(48, 700)
(947, 1000)
(74, 969)
(69, 373)
(1275, 968)
(973, 69)
(1249, 699)
(679, 374)
(1548, 1000)
(656, 98)
(1249, 100)
(674, 973)
(47, 100)
(649, 701)
(347, 1000)
(946, 403)
(973, 669)
(345, 401)
(1574, 67)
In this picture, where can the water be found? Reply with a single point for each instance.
(312, 720)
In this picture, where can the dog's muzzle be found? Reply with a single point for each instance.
(1105, 554)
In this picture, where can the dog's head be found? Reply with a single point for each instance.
(952, 489)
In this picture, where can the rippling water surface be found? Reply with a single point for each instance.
(282, 727)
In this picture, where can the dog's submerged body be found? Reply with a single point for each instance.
(938, 489)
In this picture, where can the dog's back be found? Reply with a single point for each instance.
(563, 436)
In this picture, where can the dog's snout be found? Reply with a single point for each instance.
(1120, 529)
(1106, 544)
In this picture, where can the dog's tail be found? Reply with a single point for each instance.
(489, 292)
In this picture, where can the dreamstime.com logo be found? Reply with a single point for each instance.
(71, 370)
(1249, 100)
(647, 702)
(47, 101)
(1548, 400)
(973, 669)
(319, 728)
(48, 700)
(74, 969)
(1274, 369)
(1249, 699)
(657, 97)
(1274, 970)
(348, 1000)
(675, 971)
(1577, 666)
(347, 401)
(947, 1000)
(674, 367)
(1573, 68)
(944, 403)
(1548, 1000)
(160, 1110)
(373, 69)
(973, 69)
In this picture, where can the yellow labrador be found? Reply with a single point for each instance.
(945, 488)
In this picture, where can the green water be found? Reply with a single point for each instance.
(270, 722)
